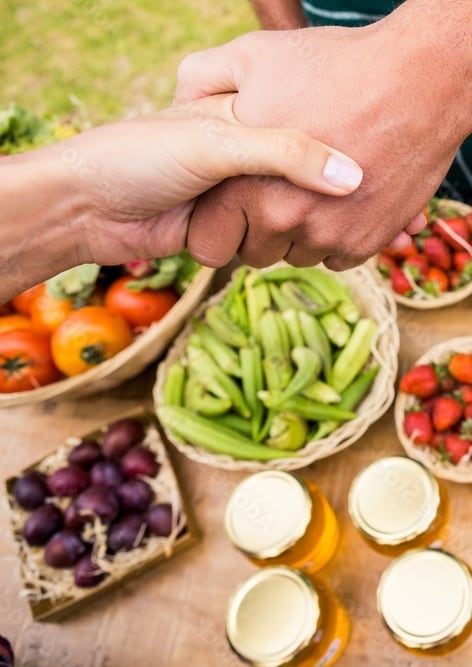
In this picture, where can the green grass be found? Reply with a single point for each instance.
(105, 59)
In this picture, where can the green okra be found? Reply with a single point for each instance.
(300, 301)
(215, 380)
(322, 392)
(235, 422)
(333, 289)
(253, 382)
(316, 339)
(223, 326)
(236, 287)
(257, 302)
(288, 431)
(214, 437)
(173, 390)
(292, 322)
(280, 300)
(275, 343)
(224, 355)
(198, 399)
(308, 365)
(336, 328)
(305, 407)
(238, 312)
(354, 355)
(350, 399)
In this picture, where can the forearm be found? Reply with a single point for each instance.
(279, 14)
(39, 220)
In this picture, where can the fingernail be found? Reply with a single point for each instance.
(342, 172)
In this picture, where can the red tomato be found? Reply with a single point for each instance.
(25, 361)
(22, 302)
(47, 312)
(140, 308)
(15, 321)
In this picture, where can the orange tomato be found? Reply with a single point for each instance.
(87, 337)
(15, 321)
(47, 312)
(140, 308)
(25, 361)
(22, 302)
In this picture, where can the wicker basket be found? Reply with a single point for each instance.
(373, 302)
(130, 361)
(430, 302)
(461, 472)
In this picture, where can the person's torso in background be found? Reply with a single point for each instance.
(355, 13)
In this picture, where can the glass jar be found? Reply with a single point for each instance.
(275, 518)
(397, 504)
(281, 617)
(425, 600)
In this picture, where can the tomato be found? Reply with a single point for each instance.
(140, 308)
(47, 312)
(6, 309)
(15, 321)
(87, 337)
(22, 302)
(25, 361)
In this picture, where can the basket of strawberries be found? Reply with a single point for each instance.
(433, 410)
(435, 270)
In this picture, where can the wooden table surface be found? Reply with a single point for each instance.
(174, 615)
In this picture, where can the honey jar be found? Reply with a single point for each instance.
(275, 518)
(281, 617)
(425, 600)
(397, 504)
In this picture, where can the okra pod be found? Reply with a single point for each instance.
(236, 287)
(238, 312)
(173, 390)
(275, 342)
(288, 431)
(223, 326)
(209, 435)
(224, 355)
(308, 365)
(322, 392)
(350, 399)
(253, 382)
(257, 302)
(333, 290)
(235, 422)
(305, 407)
(198, 399)
(280, 300)
(316, 339)
(290, 317)
(336, 328)
(354, 355)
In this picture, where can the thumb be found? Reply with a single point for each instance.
(208, 72)
(292, 154)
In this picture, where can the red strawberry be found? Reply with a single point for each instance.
(438, 439)
(385, 264)
(417, 265)
(462, 260)
(420, 381)
(437, 252)
(465, 393)
(468, 411)
(460, 367)
(418, 426)
(468, 219)
(456, 447)
(400, 282)
(457, 225)
(455, 279)
(447, 411)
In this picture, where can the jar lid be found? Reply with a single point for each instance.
(267, 513)
(272, 616)
(425, 597)
(394, 500)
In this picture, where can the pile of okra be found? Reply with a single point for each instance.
(281, 360)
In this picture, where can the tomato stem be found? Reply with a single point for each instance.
(12, 365)
(92, 354)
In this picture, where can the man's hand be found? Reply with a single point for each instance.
(387, 94)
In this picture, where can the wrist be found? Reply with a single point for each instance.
(40, 219)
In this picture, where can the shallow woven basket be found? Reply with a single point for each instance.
(130, 361)
(447, 298)
(373, 302)
(461, 472)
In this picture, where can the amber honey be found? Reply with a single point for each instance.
(425, 600)
(281, 617)
(397, 504)
(275, 518)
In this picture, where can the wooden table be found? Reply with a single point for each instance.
(173, 616)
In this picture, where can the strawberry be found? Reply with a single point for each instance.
(447, 411)
(460, 367)
(438, 439)
(456, 447)
(418, 426)
(417, 265)
(385, 264)
(468, 219)
(437, 252)
(457, 225)
(436, 281)
(462, 260)
(400, 282)
(420, 381)
(455, 280)
(464, 393)
(468, 411)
